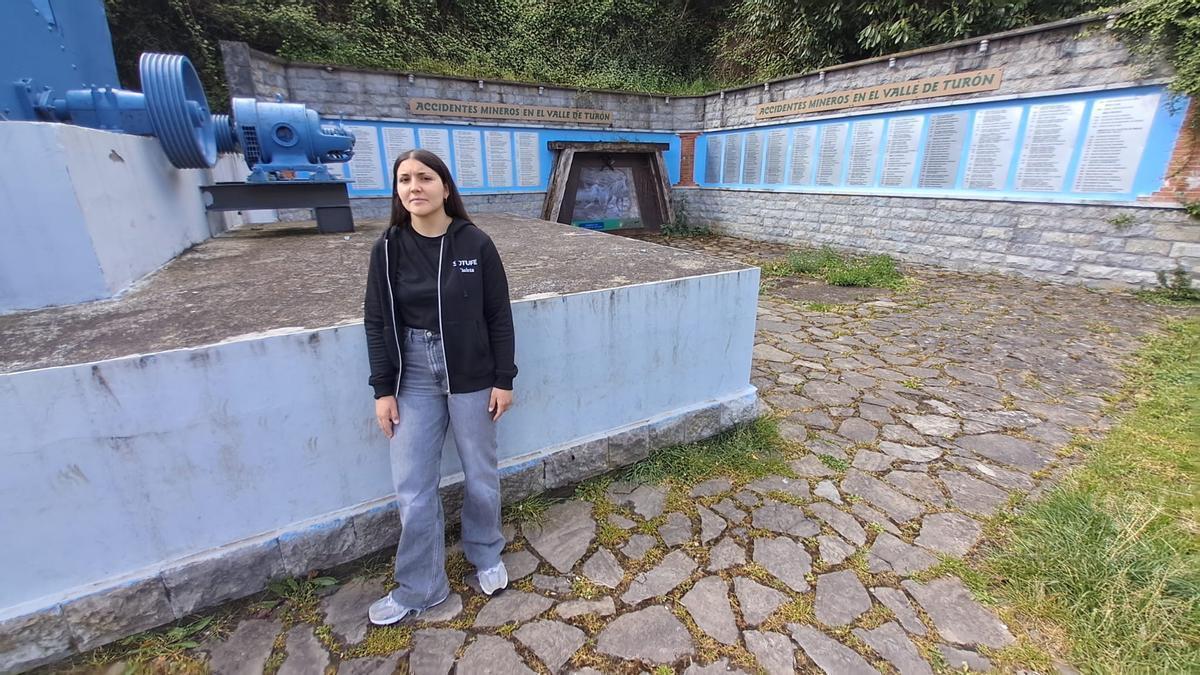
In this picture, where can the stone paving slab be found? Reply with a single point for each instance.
(913, 416)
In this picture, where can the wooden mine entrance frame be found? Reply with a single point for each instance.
(645, 160)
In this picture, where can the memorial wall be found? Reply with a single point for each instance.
(1045, 151)
(1112, 145)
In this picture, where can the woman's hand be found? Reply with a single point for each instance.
(387, 414)
(501, 402)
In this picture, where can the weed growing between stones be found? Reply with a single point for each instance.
(799, 610)
(278, 655)
(976, 582)
(875, 617)
(586, 589)
(788, 498)
(300, 597)
(744, 453)
(383, 640)
(457, 568)
(1122, 221)
(611, 536)
(836, 463)
(163, 650)
(532, 509)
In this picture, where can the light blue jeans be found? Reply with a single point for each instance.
(426, 409)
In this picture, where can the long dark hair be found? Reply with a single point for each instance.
(454, 203)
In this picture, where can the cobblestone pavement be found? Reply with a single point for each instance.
(933, 407)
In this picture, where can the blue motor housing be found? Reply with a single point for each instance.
(280, 139)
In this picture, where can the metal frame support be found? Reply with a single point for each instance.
(329, 199)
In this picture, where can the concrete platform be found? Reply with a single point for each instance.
(214, 422)
(286, 275)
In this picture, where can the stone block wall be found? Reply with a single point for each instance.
(1105, 246)
(1064, 55)
(375, 94)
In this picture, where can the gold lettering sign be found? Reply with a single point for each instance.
(507, 111)
(928, 87)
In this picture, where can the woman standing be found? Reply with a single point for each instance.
(440, 339)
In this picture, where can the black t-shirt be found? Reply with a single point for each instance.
(416, 280)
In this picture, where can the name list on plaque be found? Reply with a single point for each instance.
(830, 152)
(993, 140)
(1049, 141)
(1113, 145)
(900, 151)
(802, 151)
(943, 148)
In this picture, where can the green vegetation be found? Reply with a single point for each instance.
(744, 453)
(529, 510)
(835, 463)
(1174, 288)
(1111, 555)
(300, 595)
(765, 39)
(1167, 31)
(681, 224)
(1122, 221)
(838, 269)
(658, 46)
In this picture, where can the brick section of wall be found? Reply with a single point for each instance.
(687, 159)
(1092, 245)
(1182, 184)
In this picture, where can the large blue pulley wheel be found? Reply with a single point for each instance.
(178, 110)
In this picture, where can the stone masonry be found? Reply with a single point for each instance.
(1092, 245)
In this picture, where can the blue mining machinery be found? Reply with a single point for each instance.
(285, 145)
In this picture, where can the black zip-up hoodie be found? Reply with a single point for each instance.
(473, 309)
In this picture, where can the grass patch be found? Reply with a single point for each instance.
(158, 651)
(1111, 555)
(822, 307)
(592, 490)
(836, 463)
(744, 453)
(587, 589)
(1174, 288)
(838, 269)
(384, 640)
(300, 596)
(529, 510)
(975, 581)
(799, 610)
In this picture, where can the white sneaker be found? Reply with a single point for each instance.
(386, 611)
(493, 579)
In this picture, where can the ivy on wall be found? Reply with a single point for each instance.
(1166, 31)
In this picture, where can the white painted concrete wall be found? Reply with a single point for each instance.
(84, 213)
(115, 468)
